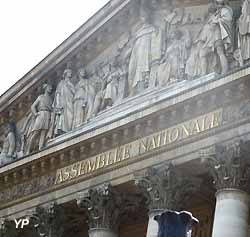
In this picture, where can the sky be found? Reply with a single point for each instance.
(30, 30)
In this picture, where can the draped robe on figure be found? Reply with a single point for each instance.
(140, 59)
(216, 31)
(64, 102)
(244, 31)
(83, 102)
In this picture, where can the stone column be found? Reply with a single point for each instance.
(103, 207)
(230, 170)
(164, 189)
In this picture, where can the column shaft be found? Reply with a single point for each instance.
(102, 232)
(152, 230)
(231, 213)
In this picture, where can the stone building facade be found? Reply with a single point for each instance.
(146, 107)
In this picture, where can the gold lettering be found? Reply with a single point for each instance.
(66, 174)
(59, 178)
(91, 165)
(100, 161)
(143, 146)
(166, 137)
(196, 129)
(74, 170)
(215, 120)
(185, 130)
(109, 160)
(170, 135)
(203, 124)
(126, 152)
(82, 168)
(117, 155)
(154, 142)
(176, 134)
(151, 143)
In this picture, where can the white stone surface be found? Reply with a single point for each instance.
(231, 214)
(152, 230)
(102, 233)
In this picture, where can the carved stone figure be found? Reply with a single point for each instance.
(63, 106)
(172, 67)
(215, 39)
(164, 17)
(41, 111)
(140, 60)
(8, 151)
(244, 33)
(83, 99)
(111, 92)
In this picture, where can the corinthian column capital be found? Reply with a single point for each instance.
(229, 165)
(103, 207)
(165, 187)
(48, 220)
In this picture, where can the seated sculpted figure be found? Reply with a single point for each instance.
(8, 151)
(83, 99)
(172, 66)
(213, 42)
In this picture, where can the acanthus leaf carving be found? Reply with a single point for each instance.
(165, 188)
(229, 165)
(48, 221)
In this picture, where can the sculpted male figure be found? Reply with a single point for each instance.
(83, 100)
(172, 67)
(164, 17)
(63, 105)
(140, 60)
(9, 145)
(214, 39)
(41, 110)
(244, 32)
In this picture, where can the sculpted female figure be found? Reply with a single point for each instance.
(83, 99)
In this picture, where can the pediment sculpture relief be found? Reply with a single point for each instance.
(166, 45)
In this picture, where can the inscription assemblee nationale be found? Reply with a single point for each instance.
(140, 146)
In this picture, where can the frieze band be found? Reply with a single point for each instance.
(140, 146)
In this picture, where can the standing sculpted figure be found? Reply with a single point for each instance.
(83, 100)
(7, 153)
(41, 111)
(214, 39)
(164, 18)
(140, 60)
(172, 67)
(114, 89)
(244, 32)
(63, 106)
